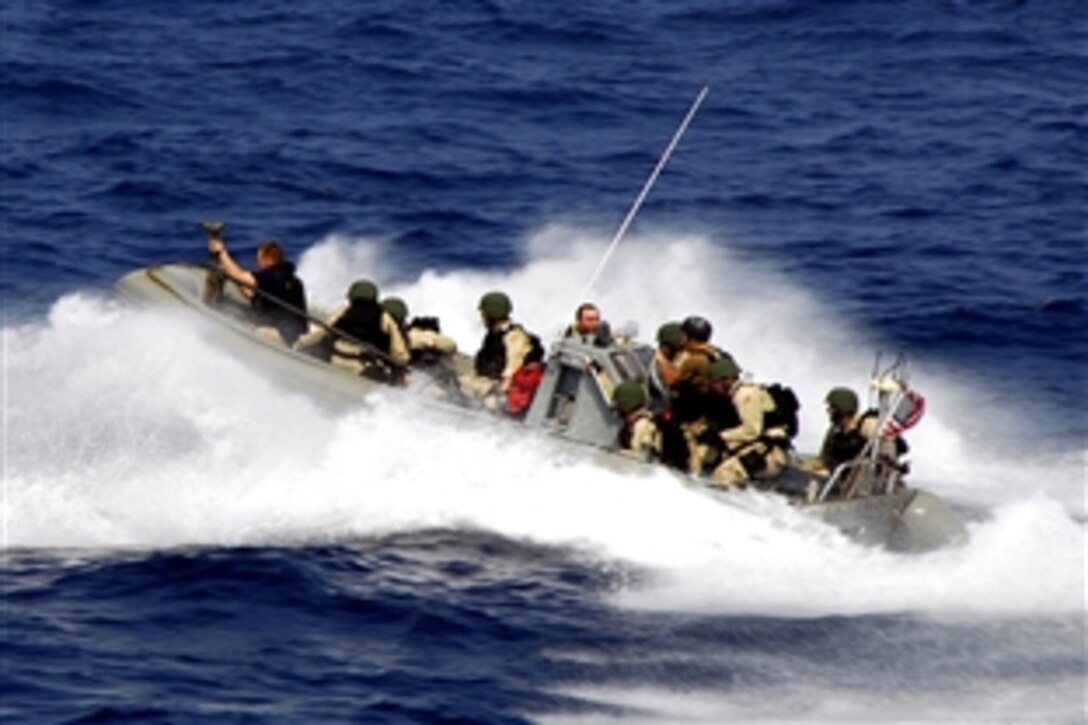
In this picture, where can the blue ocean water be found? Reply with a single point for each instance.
(183, 541)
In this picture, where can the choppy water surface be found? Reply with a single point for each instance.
(185, 541)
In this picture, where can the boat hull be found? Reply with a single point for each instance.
(908, 520)
(182, 287)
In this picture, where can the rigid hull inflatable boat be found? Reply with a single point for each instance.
(571, 406)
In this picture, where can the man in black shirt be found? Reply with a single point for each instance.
(276, 294)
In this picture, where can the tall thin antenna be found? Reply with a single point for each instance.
(645, 191)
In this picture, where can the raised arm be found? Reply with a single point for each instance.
(245, 279)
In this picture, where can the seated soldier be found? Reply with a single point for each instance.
(426, 343)
(848, 433)
(699, 351)
(686, 376)
(749, 450)
(431, 352)
(646, 435)
(501, 353)
(366, 339)
(691, 384)
(851, 435)
(639, 436)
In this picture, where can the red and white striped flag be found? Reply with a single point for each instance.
(906, 414)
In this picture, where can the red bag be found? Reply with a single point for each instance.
(519, 396)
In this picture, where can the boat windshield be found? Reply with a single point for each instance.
(628, 366)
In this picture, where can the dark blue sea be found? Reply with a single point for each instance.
(185, 541)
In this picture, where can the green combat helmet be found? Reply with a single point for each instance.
(363, 290)
(628, 396)
(671, 334)
(495, 306)
(396, 308)
(722, 368)
(843, 400)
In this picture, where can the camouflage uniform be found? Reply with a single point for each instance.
(641, 438)
(350, 355)
(491, 390)
(751, 451)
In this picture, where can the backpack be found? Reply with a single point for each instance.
(536, 349)
(785, 410)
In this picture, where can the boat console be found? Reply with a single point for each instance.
(575, 398)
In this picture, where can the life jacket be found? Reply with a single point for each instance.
(491, 358)
(362, 321)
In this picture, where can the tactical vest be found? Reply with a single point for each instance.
(491, 358)
(720, 413)
(281, 283)
(843, 446)
(363, 321)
